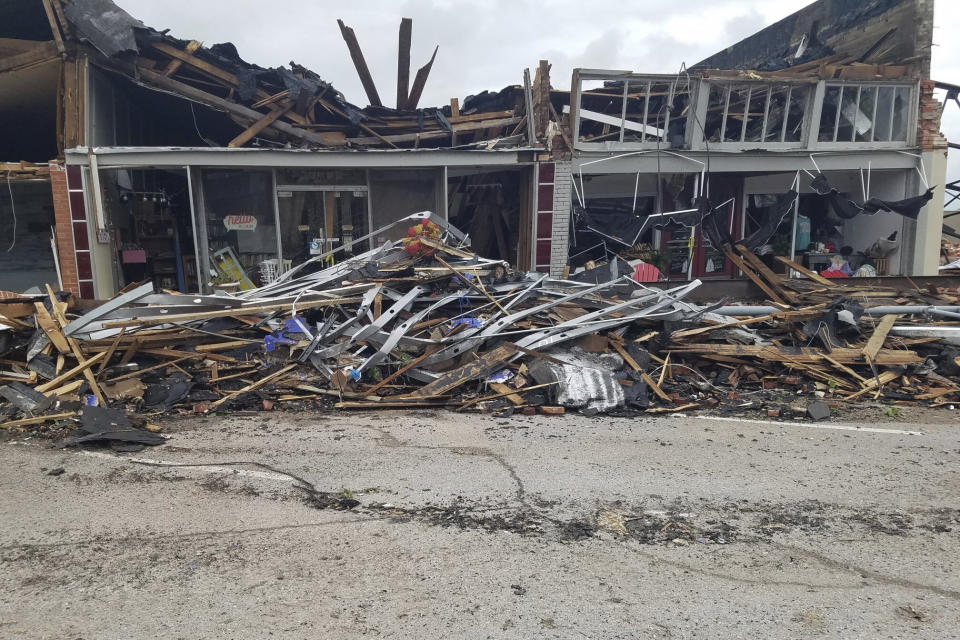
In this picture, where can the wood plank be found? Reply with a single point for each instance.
(174, 64)
(37, 419)
(403, 62)
(197, 63)
(816, 277)
(507, 392)
(61, 319)
(54, 27)
(69, 374)
(138, 372)
(356, 54)
(432, 135)
(224, 313)
(50, 328)
(39, 53)
(875, 343)
(420, 81)
(452, 379)
(805, 355)
(757, 280)
(259, 126)
(250, 387)
(111, 350)
(772, 278)
(160, 80)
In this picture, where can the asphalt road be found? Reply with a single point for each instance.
(477, 527)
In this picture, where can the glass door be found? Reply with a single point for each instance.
(317, 220)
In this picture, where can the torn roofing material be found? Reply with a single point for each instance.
(285, 104)
(103, 24)
(864, 31)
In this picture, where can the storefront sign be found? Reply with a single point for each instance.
(240, 222)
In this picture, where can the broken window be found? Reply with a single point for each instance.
(635, 109)
(757, 112)
(865, 113)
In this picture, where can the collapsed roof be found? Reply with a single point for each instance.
(292, 104)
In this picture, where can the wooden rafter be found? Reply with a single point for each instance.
(403, 62)
(421, 81)
(356, 54)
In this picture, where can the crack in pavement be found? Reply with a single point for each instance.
(862, 572)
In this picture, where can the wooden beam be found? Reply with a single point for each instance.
(37, 419)
(160, 80)
(174, 64)
(403, 62)
(39, 53)
(421, 81)
(428, 135)
(52, 19)
(750, 274)
(202, 65)
(250, 387)
(816, 277)
(259, 126)
(875, 343)
(765, 271)
(84, 365)
(333, 109)
(356, 54)
(454, 109)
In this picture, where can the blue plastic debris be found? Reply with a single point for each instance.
(470, 322)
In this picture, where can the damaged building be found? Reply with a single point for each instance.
(133, 155)
(815, 140)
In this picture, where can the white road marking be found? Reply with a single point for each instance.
(812, 425)
(238, 471)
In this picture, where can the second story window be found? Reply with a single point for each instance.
(865, 113)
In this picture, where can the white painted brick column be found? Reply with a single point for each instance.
(560, 244)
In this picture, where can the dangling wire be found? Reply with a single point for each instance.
(13, 210)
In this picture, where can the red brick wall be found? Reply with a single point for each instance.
(928, 124)
(64, 227)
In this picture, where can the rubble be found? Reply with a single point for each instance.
(427, 323)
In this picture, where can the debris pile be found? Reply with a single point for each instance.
(425, 322)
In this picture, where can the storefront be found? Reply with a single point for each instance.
(197, 219)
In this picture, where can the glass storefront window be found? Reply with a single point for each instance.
(240, 221)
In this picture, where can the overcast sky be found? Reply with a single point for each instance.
(486, 45)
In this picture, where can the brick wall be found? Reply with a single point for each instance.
(928, 124)
(64, 228)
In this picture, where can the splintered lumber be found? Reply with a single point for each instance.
(875, 383)
(110, 351)
(509, 392)
(803, 355)
(146, 369)
(816, 277)
(23, 422)
(420, 81)
(67, 375)
(403, 62)
(471, 284)
(259, 125)
(223, 313)
(875, 342)
(49, 327)
(402, 370)
(250, 387)
(765, 271)
(61, 320)
(356, 54)
(175, 63)
(757, 280)
(655, 387)
(483, 366)
(246, 113)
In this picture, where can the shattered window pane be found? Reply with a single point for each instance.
(755, 114)
(828, 115)
(799, 97)
(848, 114)
(735, 113)
(779, 95)
(901, 112)
(868, 100)
(881, 128)
(715, 106)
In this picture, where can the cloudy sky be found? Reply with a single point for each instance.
(486, 45)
